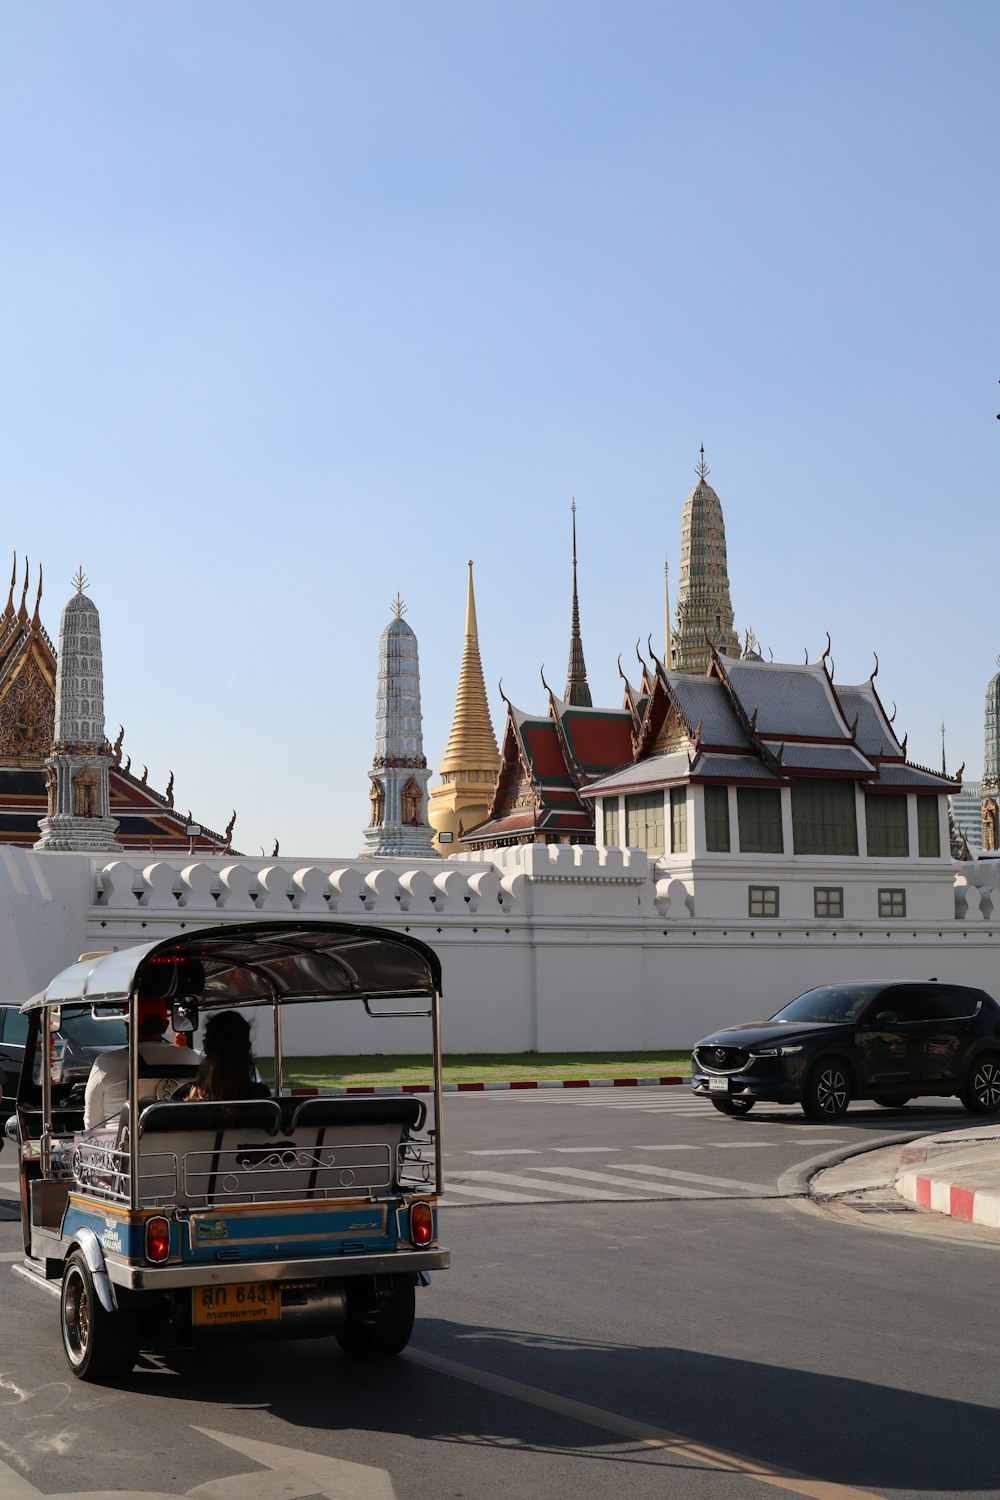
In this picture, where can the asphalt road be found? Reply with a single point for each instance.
(638, 1304)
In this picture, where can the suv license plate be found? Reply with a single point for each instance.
(240, 1302)
(718, 1085)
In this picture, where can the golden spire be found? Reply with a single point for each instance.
(472, 744)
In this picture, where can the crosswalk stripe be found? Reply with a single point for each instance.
(492, 1194)
(681, 1192)
(506, 1179)
(703, 1177)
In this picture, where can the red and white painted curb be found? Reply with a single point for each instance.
(977, 1203)
(483, 1088)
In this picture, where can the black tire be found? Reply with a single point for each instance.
(828, 1090)
(379, 1319)
(981, 1094)
(891, 1101)
(734, 1106)
(99, 1345)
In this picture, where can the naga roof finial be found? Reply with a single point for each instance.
(36, 619)
(80, 579)
(398, 607)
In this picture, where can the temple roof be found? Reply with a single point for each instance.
(705, 701)
(874, 734)
(782, 696)
(471, 744)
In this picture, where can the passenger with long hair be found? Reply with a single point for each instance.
(227, 1069)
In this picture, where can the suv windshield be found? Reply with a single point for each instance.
(830, 1002)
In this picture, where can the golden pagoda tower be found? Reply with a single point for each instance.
(471, 760)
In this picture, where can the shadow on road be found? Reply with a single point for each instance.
(831, 1428)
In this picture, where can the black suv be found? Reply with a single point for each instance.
(79, 1040)
(886, 1042)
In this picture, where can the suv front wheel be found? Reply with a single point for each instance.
(827, 1091)
(981, 1094)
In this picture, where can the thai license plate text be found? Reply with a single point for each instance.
(242, 1302)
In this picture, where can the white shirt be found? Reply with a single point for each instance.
(107, 1086)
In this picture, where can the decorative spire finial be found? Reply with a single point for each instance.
(702, 469)
(398, 607)
(80, 579)
(577, 690)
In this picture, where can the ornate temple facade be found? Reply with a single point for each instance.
(76, 772)
(704, 608)
(147, 819)
(471, 758)
(399, 775)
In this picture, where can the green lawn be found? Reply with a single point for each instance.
(475, 1067)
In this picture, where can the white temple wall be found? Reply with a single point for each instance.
(549, 949)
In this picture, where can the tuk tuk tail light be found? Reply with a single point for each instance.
(421, 1223)
(157, 1239)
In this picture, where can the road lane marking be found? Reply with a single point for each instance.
(703, 1177)
(584, 1150)
(669, 1148)
(492, 1195)
(641, 1432)
(508, 1151)
(508, 1179)
(650, 1187)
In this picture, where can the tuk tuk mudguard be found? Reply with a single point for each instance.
(86, 1241)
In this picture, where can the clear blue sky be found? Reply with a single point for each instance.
(303, 304)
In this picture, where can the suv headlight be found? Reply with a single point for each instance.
(776, 1051)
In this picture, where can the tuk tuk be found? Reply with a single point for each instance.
(180, 1222)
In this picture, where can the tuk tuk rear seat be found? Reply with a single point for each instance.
(200, 1152)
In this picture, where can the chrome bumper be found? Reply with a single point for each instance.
(164, 1278)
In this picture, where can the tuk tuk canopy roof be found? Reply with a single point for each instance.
(257, 963)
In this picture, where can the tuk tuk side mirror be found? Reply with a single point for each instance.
(184, 1015)
(10, 1128)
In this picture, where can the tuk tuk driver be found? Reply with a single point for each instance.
(107, 1086)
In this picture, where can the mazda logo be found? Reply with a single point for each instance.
(720, 1054)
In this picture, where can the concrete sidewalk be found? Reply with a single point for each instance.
(956, 1172)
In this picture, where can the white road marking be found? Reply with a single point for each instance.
(702, 1177)
(507, 1179)
(510, 1151)
(669, 1147)
(490, 1194)
(285, 1474)
(584, 1150)
(681, 1192)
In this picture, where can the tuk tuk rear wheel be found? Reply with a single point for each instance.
(99, 1345)
(379, 1319)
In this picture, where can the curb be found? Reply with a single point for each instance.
(482, 1088)
(976, 1205)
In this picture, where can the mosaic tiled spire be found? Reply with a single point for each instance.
(399, 773)
(991, 765)
(77, 770)
(577, 690)
(704, 607)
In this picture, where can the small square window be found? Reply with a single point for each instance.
(763, 901)
(892, 903)
(828, 900)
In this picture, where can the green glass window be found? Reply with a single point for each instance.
(892, 903)
(610, 822)
(717, 819)
(824, 817)
(763, 901)
(678, 820)
(828, 900)
(928, 828)
(759, 813)
(644, 822)
(885, 817)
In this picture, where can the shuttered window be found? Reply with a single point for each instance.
(610, 822)
(717, 819)
(759, 812)
(928, 828)
(644, 822)
(824, 817)
(678, 820)
(885, 817)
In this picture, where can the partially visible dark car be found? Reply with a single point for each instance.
(885, 1042)
(78, 1041)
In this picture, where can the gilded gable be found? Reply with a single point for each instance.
(672, 735)
(27, 715)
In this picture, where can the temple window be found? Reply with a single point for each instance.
(759, 812)
(828, 900)
(717, 819)
(609, 809)
(678, 820)
(885, 818)
(762, 901)
(644, 822)
(928, 828)
(824, 817)
(892, 903)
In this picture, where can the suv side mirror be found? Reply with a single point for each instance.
(886, 1018)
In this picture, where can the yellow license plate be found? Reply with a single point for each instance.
(241, 1302)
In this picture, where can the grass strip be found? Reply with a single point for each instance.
(476, 1067)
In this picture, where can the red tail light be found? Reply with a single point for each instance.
(421, 1223)
(157, 1239)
